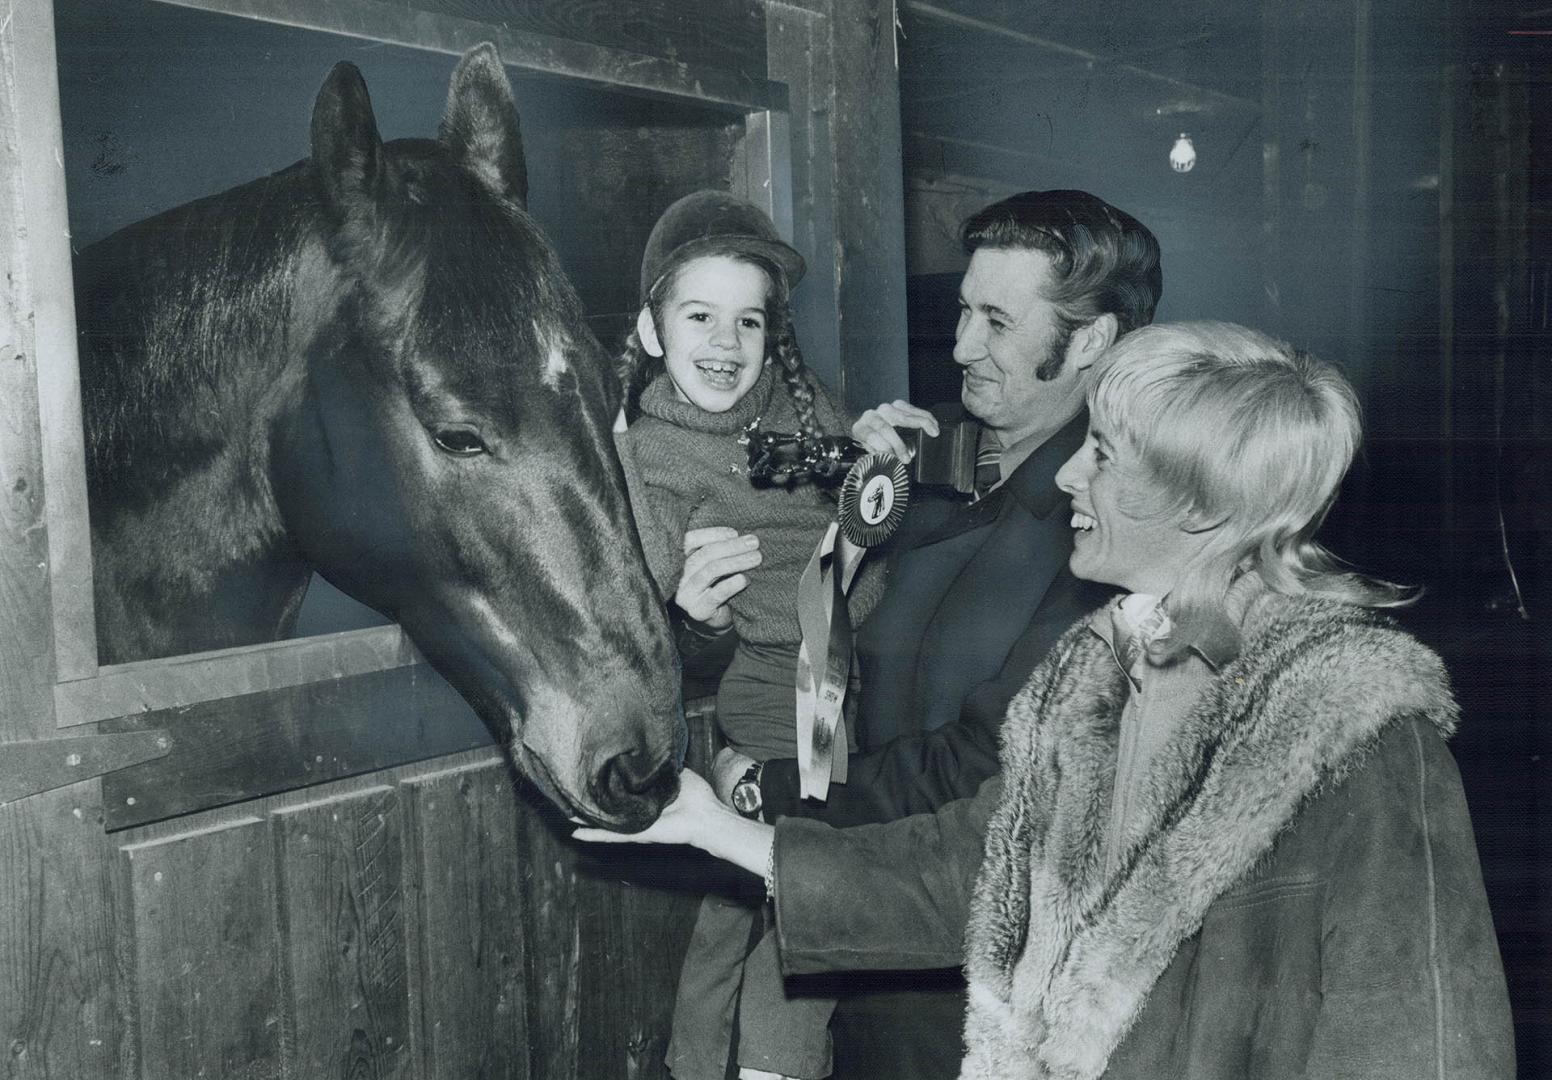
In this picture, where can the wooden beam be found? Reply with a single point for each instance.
(952, 18)
(27, 768)
(178, 681)
(229, 751)
(44, 250)
(609, 68)
(869, 202)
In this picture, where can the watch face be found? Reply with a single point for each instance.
(746, 798)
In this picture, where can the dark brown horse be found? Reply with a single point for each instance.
(371, 364)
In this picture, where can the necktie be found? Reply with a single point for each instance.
(988, 464)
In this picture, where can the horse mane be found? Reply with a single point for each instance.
(468, 277)
(167, 308)
(173, 308)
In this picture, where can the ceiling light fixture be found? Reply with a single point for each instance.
(1182, 156)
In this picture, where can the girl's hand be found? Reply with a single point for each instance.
(714, 565)
(875, 428)
(694, 812)
(727, 768)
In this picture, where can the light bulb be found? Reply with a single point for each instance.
(1182, 156)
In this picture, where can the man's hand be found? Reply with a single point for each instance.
(727, 768)
(875, 428)
(714, 565)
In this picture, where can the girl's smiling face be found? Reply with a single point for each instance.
(712, 336)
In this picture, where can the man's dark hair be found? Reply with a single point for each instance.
(1105, 260)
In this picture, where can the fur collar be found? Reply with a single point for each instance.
(1061, 956)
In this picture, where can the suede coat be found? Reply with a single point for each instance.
(1300, 899)
(1304, 831)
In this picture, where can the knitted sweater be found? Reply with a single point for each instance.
(695, 474)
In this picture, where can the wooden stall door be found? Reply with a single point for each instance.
(425, 921)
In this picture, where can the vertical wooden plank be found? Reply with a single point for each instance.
(869, 202)
(31, 84)
(463, 874)
(799, 55)
(57, 1005)
(1271, 166)
(552, 930)
(1446, 500)
(204, 953)
(343, 938)
(1359, 352)
(763, 167)
(26, 653)
(654, 911)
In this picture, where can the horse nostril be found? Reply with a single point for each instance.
(635, 786)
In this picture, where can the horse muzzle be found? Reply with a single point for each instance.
(625, 792)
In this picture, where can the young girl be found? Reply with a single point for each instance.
(714, 350)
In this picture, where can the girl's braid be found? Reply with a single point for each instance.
(781, 345)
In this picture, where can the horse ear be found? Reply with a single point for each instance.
(481, 126)
(347, 151)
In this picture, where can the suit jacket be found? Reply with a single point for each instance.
(975, 597)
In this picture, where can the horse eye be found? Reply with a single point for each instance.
(458, 441)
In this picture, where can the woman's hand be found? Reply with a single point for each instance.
(715, 561)
(689, 819)
(875, 428)
(696, 818)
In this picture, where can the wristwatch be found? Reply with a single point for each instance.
(746, 793)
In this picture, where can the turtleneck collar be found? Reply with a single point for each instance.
(661, 399)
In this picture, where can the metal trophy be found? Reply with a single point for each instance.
(875, 489)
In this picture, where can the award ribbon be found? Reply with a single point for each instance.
(826, 630)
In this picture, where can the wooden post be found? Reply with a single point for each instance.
(57, 1002)
(869, 202)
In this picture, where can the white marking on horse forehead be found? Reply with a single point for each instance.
(553, 342)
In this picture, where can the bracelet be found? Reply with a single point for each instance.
(770, 872)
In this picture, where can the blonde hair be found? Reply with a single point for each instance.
(1249, 437)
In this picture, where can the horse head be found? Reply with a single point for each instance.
(448, 457)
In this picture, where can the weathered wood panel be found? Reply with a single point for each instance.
(619, 175)
(342, 922)
(26, 638)
(44, 336)
(205, 974)
(798, 54)
(58, 1000)
(245, 747)
(869, 202)
(606, 931)
(723, 34)
(58, 1005)
(464, 877)
(173, 682)
(552, 924)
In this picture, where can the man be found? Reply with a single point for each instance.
(978, 591)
